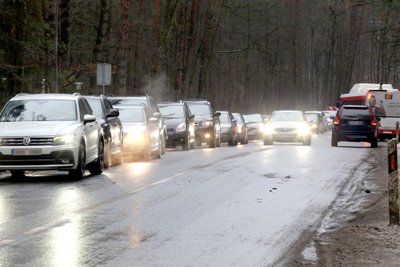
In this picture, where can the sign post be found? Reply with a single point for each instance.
(103, 75)
(393, 182)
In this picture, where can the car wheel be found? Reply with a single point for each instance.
(230, 142)
(79, 172)
(97, 166)
(147, 152)
(163, 144)
(374, 143)
(307, 141)
(192, 145)
(218, 142)
(268, 141)
(186, 144)
(198, 142)
(107, 155)
(212, 142)
(116, 159)
(17, 175)
(334, 141)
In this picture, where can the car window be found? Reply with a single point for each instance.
(253, 118)
(287, 116)
(312, 117)
(95, 104)
(132, 115)
(237, 117)
(355, 112)
(224, 117)
(200, 109)
(39, 110)
(171, 111)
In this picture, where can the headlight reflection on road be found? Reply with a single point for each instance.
(139, 169)
(65, 236)
(303, 152)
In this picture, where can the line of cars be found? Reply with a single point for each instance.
(71, 132)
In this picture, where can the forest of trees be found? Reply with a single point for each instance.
(243, 55)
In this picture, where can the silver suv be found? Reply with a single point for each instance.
(50, 132)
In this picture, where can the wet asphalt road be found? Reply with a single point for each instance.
(140, 213)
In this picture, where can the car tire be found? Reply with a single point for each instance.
(97, 166)
(163, 144)
(147, 152)
(218, 142)
(307, 141)
(334, 141)
(230, 142)
(107, 155)
(268, 141)
(186, 144)
(374, 143)
(79, 172)
(116, 159)
(17, 175)
(212, 142)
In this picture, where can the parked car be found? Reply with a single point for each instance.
(207, 125)
(111, 126)
(149, 102)
(229, 129)
(255, 124)
(316, 120)
(287, 126)
(242, 128)
(180, 124)
(355, 123)
(141, 132)
(50, 132)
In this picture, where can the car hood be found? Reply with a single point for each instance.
(172, 123)
(252, 125)
(38, 128)
(202, 118)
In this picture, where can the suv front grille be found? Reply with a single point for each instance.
(19, 141)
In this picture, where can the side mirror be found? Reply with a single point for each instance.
(157, 115)
(216, 114)
(191, 117)
(88, 118)
(113, 113)
(331, 117)
(153, 120)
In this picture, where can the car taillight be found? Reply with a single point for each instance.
(374, 123)
(336, 121)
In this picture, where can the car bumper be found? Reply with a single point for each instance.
(176, 138)
(38, 158)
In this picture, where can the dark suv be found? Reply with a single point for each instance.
(111, 126)
(180, 124)
(207, 125)
(355, 123)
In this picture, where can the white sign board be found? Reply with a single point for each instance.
(103, 74)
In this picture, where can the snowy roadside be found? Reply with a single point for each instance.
(356, 231)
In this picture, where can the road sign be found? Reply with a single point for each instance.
(103, 74)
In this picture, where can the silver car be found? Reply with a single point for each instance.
(50, 132)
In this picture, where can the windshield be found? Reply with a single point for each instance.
(224, 118)
(253, 118)
(200, 109)
(237, 117)
(171, 111)
(287, 116)
(131, 115)
(39, 110)
(311, 117)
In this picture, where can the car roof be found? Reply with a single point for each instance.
(24, 96)
(171, 103)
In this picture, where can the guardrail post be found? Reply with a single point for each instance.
(393, 182)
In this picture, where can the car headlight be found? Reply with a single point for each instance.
(206, 123)
(135, 136)
(303, 130)
(181, 127)
(267, 129)
(240, 130)
(66, 139)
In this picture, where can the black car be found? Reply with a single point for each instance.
(149, 102)
(180, 124)
(229, 128)
(207, 125)
(107, 118)
(355, 123)
(316, 121)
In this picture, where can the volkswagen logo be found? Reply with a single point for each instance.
(26, 141)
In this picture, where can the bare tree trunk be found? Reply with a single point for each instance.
(123, 67)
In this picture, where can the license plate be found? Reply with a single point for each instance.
(26, 151)
(355, 123)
